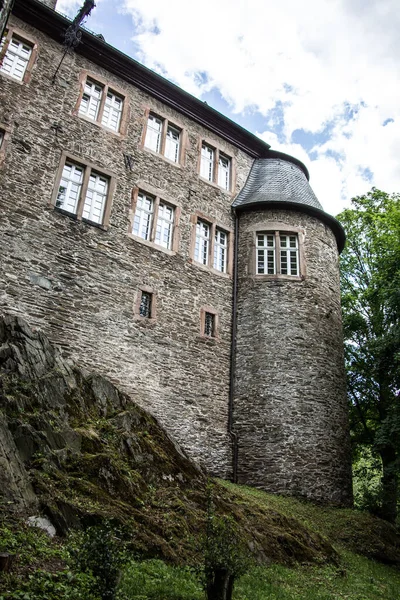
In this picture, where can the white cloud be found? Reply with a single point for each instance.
(316, 58)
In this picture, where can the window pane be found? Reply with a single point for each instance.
(172, 143)
(202, 242)
(90, 102)
(209, 324)
(289, 254)
(70, 187)
(112, 111)
(220, 250)
(153, 133)
(266, 254)
(96, 197)
(207, 162)
(224, 172)
(145, 305)
(143, 216)
(165, 224)
(16, 59)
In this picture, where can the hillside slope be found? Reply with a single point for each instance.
(74, 448)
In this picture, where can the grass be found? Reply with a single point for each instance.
(357, 578)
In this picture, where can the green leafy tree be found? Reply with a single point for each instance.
(370, 281)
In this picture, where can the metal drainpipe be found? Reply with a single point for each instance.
(233, 353)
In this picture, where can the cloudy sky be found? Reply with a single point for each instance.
(318, 79)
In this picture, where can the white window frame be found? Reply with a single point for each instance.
(16, 51)
(207, 162)
(109, 105)
(211, 244)
(87, 191)
(202, 242)
(216, 166)
(163, 137)
(221, 239)
(155, 223)
(91, 100)
(278, 253)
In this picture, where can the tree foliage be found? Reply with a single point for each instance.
(370, 281)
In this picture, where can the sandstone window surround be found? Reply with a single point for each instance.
(154, 220)
(83, 191)
(18, 53)
(102, 103)
(215, 166)
(209, 324)
(278, 252)
(211, 245)
(163, 137)
(145, 307)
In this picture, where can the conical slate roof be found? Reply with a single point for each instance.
(283, 181)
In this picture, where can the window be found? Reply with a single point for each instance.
(163, 138)
(220, 250)
(207, 162)
(215, 166)
(145, 306)
(100, 104)
(202, 244)
(208, 323)
(211, 245)
(83, 192)
(277, 253)
(154, 220)
(1, 138)
(16, 56)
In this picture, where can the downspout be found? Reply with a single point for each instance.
(233, 354)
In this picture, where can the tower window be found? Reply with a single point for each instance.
(145, 306)
(277, 254)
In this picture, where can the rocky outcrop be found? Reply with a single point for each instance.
(75, 450)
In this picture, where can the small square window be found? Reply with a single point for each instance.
(82, 192)
(163, 138)
(18, 55)
(101, 105)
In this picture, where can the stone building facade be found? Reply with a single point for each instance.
(119, 241)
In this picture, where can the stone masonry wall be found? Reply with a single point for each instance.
(290, 401)
(79, 284)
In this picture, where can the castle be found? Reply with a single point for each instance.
(159, 243)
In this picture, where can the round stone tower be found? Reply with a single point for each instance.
(289, 410)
